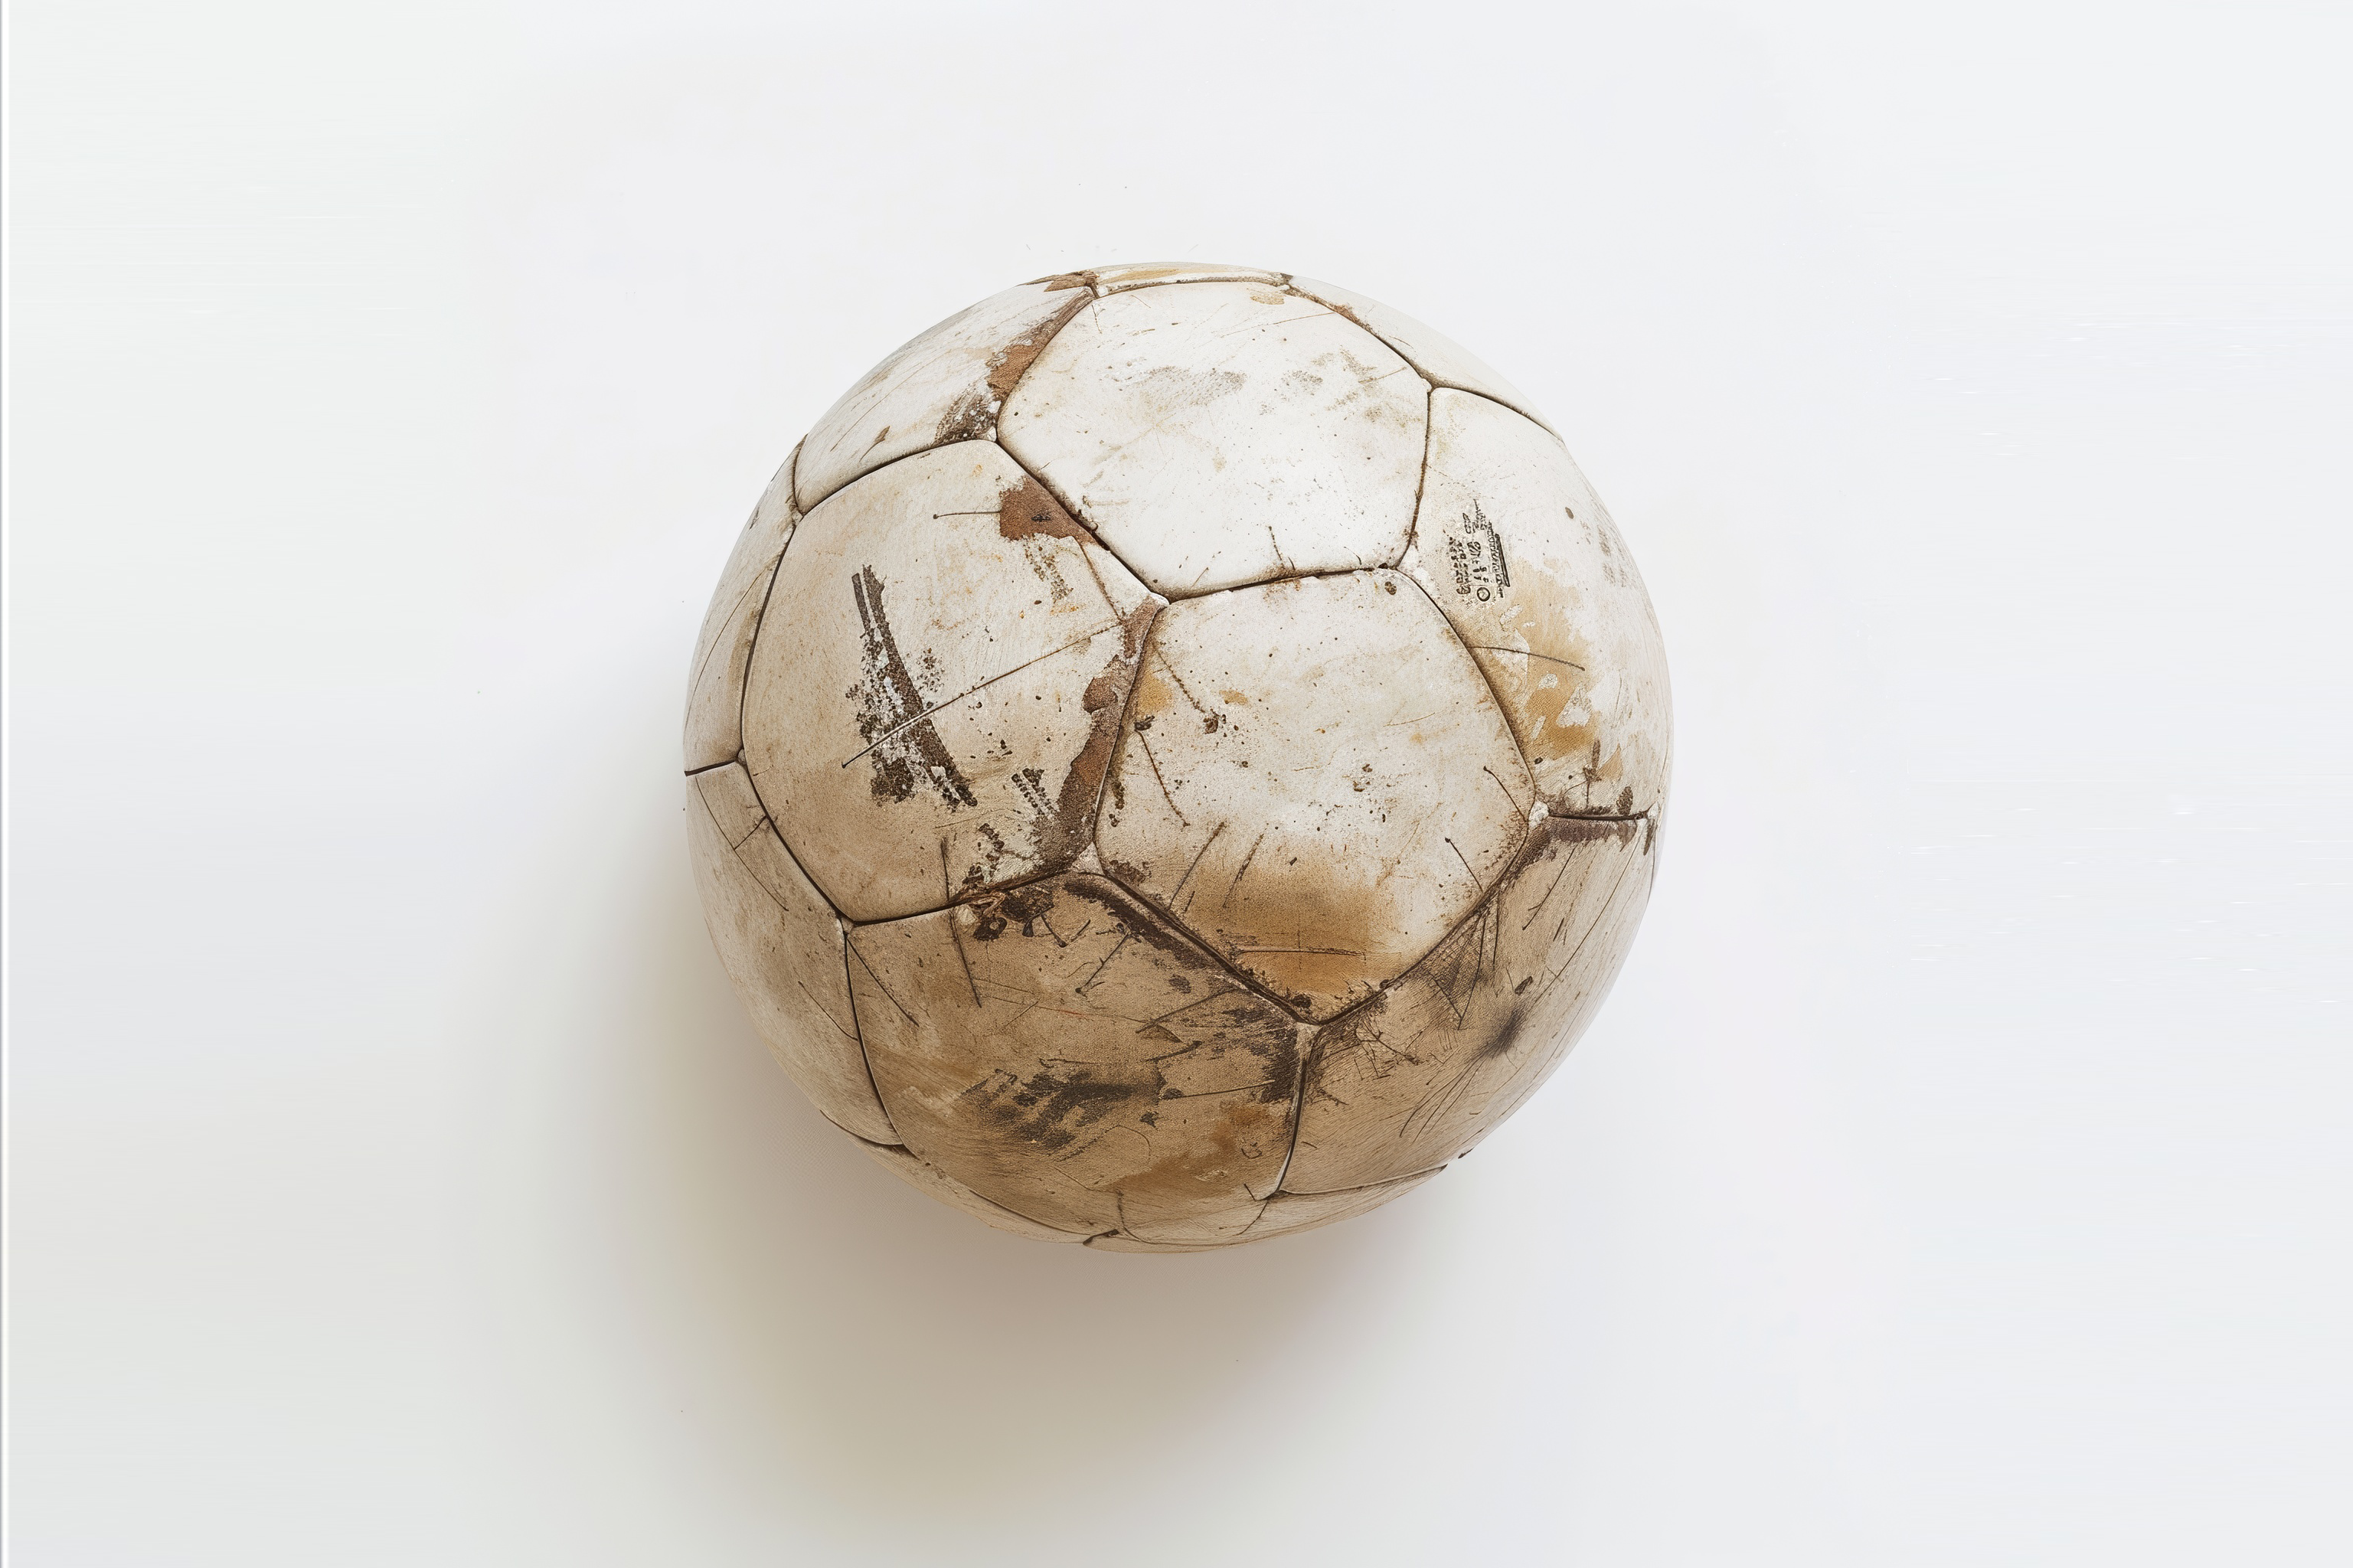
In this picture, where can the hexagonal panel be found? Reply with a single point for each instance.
(1062, 1053)
(1438, 358)
(1518, 549)
(1314, 778)
(1432, 1066)
(947, 384)
(783, 949)
(1219, 434)
(937, 683)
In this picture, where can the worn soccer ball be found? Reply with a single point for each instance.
(1175, 757)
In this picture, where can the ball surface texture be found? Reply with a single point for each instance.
(1175, 757)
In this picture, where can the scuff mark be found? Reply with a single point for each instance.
(888, 700)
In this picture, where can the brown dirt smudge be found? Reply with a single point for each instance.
(1063, 832)
(1029, 511)
(1006, 364)
(972, 416)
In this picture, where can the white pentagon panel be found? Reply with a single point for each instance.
(933, 1182)
(781, 947)
(945, 385)
(937, 683)
(1151, 274)
(714, 700)
(1436, 356)
(1222, 434)
(1516, 549)
(1064, 1054)
(1424, 1071)
(1314, 779)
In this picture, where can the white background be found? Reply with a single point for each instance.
(1957, 1174)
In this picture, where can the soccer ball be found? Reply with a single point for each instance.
(1175, 757)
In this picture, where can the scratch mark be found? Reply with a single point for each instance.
(1197, 861)
(719, 640)
(1606, 902)
(1163, 655)
(926, 713)
(1099, 968)
(1548, 893)
(1238, 1089)
(1184, 1008)
(1262, 326)
(1524, 653)
(821, 1007)
(956, 936)
(1282, 561)
(1157, 779)
(1245, 865)
(1438, 1102)
(879, 985)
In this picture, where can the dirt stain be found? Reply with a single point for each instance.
(1061, 832)
(1229, 1055)
(1052, 1105)
(1029, 511)
(1338, 309)
(1007, 365)
(1527, 636)
(1166, 388)
(972, 416)
(903, 747)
